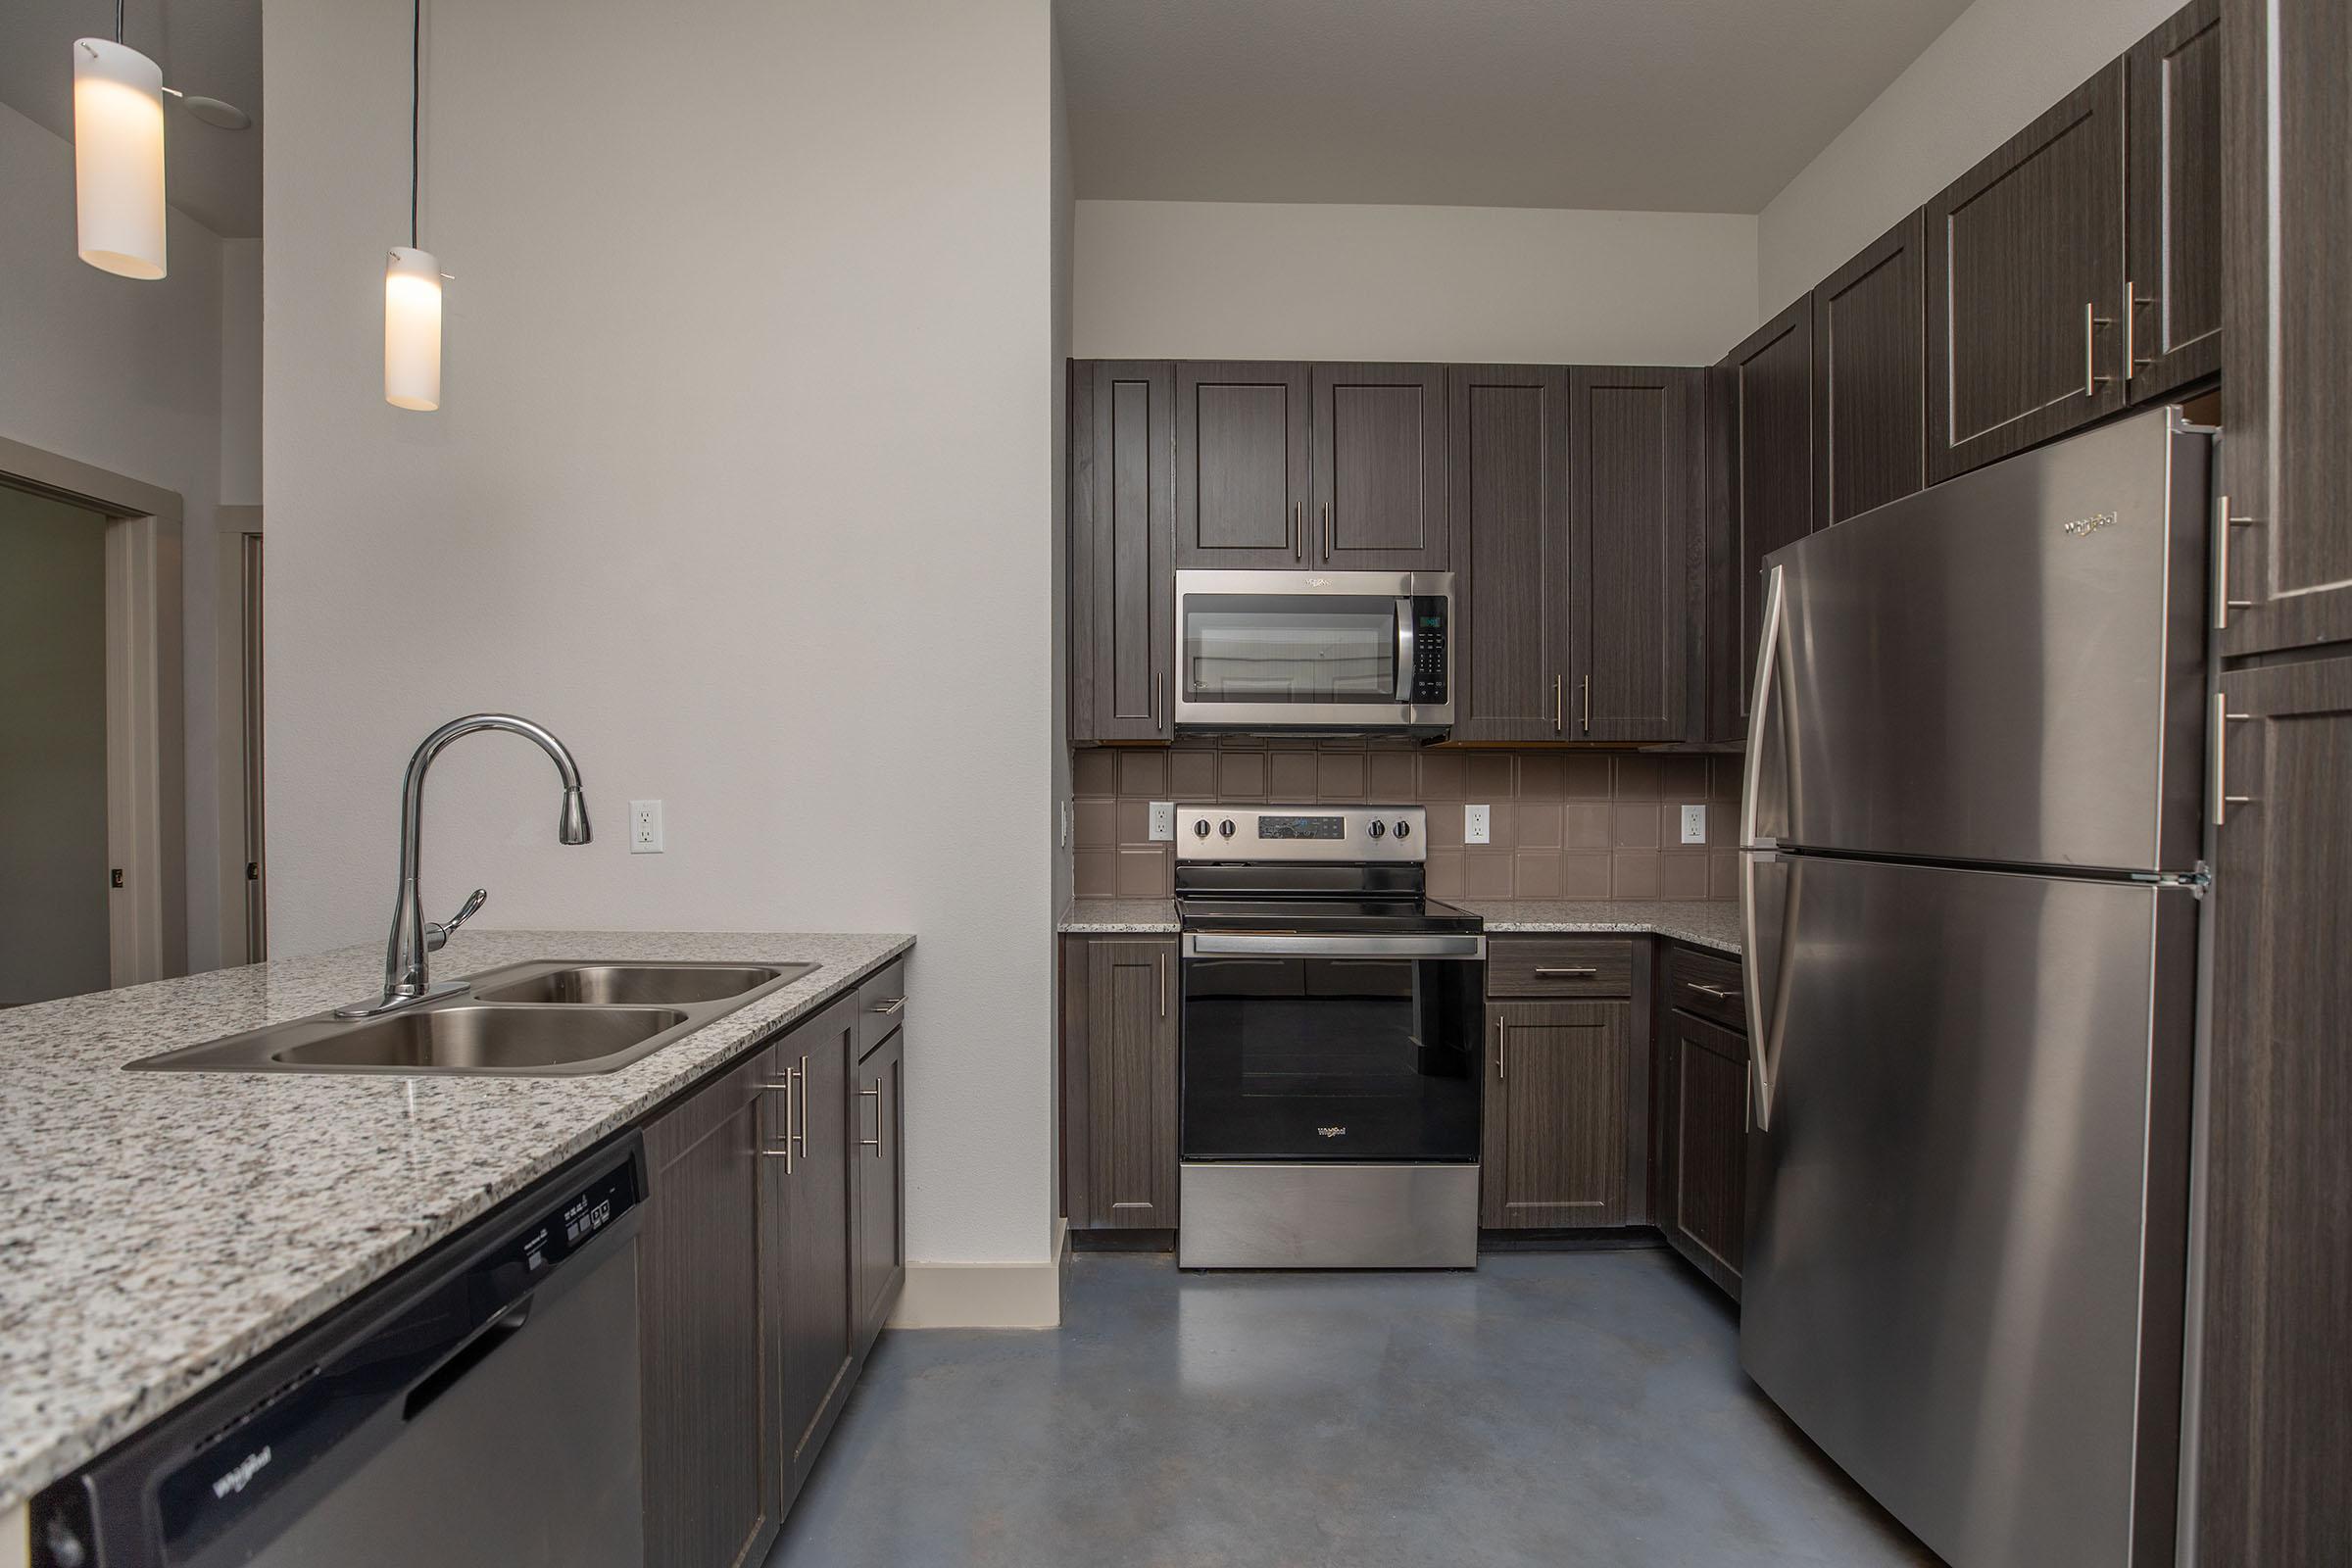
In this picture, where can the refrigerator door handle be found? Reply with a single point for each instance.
(1763, 1051)
(1768, 650)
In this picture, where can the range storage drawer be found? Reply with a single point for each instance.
(881, 1005)
(1706, 985)
(1560, 966)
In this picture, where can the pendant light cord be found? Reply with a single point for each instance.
(415, 102)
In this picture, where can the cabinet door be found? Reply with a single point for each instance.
(1241, 465)
(2274, 1447)
(2173, 296)
(1770, 410)
(2287, 387)
(2026, 285)
(1555, 1114)
(1635, 557)
(1122, 551)
(1508, 440)
(1704, 1198)
(878, 1163)
(1380, 468)
(1869, 377)
(709, 1400)
(1119, 1077)
(811, 1288)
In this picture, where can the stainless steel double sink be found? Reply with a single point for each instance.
(546, 1018)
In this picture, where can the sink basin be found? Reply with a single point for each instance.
(463, 1039)
(624, 985)
(545, 1018)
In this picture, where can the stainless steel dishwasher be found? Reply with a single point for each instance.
(478, 1407)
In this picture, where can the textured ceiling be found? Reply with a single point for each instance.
(207, 47)
(1660, 105)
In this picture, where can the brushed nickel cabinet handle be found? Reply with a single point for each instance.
(2223, 603)
(1717, 992)
(894, 1005)
(1297, 535)
(1565, 974)
(2133, 299)
(802, 1098)
(875, 1095)
(2093, 321)
(1327, 533)
(784, 1089)
(2217, 782)
(1588, 704)
(1163, 985)
(1499, 1048)
(1558, 710)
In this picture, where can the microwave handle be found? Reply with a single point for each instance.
(1404, 650)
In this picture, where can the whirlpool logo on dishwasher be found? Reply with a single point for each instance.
(246, 1469)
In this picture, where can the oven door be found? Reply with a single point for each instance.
(1346, 650)
(1332, 1047)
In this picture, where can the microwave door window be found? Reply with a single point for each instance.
(1256, 650)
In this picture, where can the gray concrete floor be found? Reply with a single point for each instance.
(1552, 1408)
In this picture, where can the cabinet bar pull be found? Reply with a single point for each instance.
(875, 1095)
(1588, 704)
(1717, 992)
(2093, 321)
(1297, 535)
(784, 1089)
(894, 1005)
(2223, 603)
(2133, 300)
(1557, 724)
(1500, 1046)
(1156, 682)
(1327, 533)
(1163, 985)
(2217, 766)
(1564, 974)
(802, 1098)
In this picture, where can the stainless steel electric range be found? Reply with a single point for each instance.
(1332, 1022)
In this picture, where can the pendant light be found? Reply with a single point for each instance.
(413, 276)
(118, 156)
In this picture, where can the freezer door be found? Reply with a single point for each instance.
(1966, 1217)
(2006, 668)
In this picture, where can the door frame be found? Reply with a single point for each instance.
(237, 762)
(146, 750)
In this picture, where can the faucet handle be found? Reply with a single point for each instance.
(437, 933)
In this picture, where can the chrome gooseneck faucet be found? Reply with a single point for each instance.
(406, 980)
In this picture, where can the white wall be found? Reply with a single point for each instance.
(1992, 71)
(128, 376)
(240, 373)
(1314, 282)
(1064, 218)
(740, 485)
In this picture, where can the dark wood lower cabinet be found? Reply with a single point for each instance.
(1119, 1083)
(1556, 1123)
(771, 1254)
(1703, 1202)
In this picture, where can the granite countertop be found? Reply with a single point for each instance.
(158, 1229)
(1707, 924)
(1108, 916)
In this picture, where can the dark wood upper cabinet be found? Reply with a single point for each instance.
(1119, 1049)
(1869, 377)
(1122, 502)
(2026, 285)
(1766, 403)
(2174, 290)
(1241, 465)
(2286, 384)
(1635, 560)
(1378, 468)
(1703, 1145)
(1556, 1123)
(1508, 446)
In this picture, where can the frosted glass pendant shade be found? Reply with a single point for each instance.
(119, 158)
(413, 330)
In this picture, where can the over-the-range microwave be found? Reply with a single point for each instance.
(1276, 651)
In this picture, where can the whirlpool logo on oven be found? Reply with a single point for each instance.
(1333, 1132)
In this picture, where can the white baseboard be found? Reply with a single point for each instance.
(985, 1296)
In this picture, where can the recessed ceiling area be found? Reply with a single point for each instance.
(208, 47)
(1645, 105)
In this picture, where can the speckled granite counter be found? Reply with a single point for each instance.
(1708, 924)
(158, 1229)
(1107, 916)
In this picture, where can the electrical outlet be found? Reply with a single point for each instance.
(1694, 825)
(645, 828)
(1164, 821)
(1477, 824)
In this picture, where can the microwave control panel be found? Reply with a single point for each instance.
(1428, 650)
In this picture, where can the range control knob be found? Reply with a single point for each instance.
(1405, 829)
(1225, 828)
(1200, 829)
(1379, 828)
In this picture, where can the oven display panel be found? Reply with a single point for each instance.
(1301, 828)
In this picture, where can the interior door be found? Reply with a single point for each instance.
(1508, 442)
(1242, 464)
(1378, 468)
(1964, 1259)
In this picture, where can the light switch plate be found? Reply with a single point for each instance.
(1694, 825)
(1477, 824)
(1164, 821)
(645, 828)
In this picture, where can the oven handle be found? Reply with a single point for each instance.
(1219, 943)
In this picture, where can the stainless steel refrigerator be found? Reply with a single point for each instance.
(1970, 885)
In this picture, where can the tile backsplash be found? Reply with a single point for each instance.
(1566, 824)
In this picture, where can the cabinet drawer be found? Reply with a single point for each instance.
(1707, 985)
(881, 1005)
(1560, 966)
